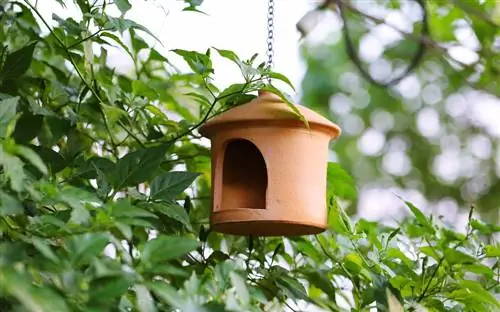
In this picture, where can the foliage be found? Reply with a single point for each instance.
(105, 194)
(431, 132)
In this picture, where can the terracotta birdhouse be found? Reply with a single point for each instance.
(269, 169)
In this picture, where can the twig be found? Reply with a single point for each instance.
(66, 50)
(441, 260)
(209, 111)
(85, 39)
(426, 40)
(353, 55)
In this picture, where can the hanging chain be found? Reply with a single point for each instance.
(270, 35)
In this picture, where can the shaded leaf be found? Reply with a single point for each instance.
(198, 62)
(123, 5)
(8, 109)
(421, 218)
(28, 126)
(9, 205)
(18, 62)
(137, 166)
(87, 246)
(32, 157)
(108, 288)
(281, 77)
(173, 211)
(492, 251)
(13, 169)
(164, 248)
(32, 298)
(288, 102)
(340, 183)
(123, 24)
(171, 184)
(145, 302)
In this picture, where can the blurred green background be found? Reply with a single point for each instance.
(435, 135)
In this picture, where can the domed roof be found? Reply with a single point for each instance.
(268, 109)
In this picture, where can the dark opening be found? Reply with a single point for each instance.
(244, 176)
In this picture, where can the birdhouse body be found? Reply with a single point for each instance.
(269, 169)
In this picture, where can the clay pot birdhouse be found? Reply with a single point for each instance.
(269, 169)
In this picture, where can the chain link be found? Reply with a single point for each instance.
(270, 34)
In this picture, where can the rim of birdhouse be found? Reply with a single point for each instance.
(268, 110)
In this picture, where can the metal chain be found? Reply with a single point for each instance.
(270, 34)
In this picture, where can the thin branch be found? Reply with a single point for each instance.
(85, 39)
(426, 40)
(66, 50)
(209, 111)
(353, 54)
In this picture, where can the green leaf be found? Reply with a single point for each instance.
(13, 169)
(233, 90)
(173, 211)
(230, 55)
(18, 62)
(84, 6)
(164, 248)
(292, 287)
(167, 293)
(44, 248)
(421, 218)
(198, 62)
(454, 256)
(338, 220)
(478, 268)
(8, 108)
(321, 280)
(171, 184)
(481, 294)
(340, 183)
(281, 77)
(140, 88)
(87, 246)
(50, 157)
(28, 126)
(103, 187)
(398, 254)
(32, 298)
(145, 302)
(492, 251)
(288, 102)
(241, 288)
(137, 166)
(110, 287)
(123, 24)
(32, 157)
(353, 262)
(124, 208)
(116, 39)
(9, 205)
(213, 306)
(123, 5)
(429, 251)
(483, 228)
(247, 70)
(77, 199)
(137, 42)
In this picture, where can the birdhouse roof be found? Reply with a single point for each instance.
(268, 109)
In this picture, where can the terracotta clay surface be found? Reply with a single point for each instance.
(269, 169)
